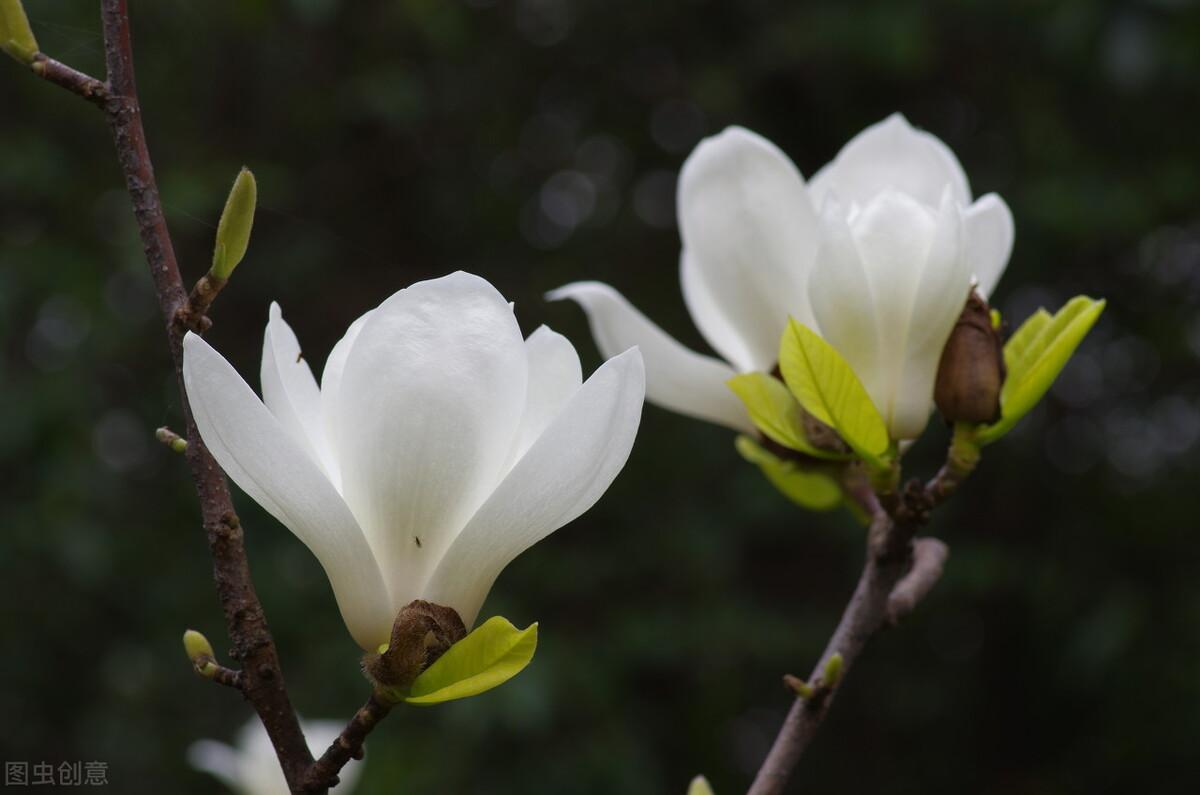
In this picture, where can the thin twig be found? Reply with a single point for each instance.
(261, 679)
(929, 560)
(898, 573)
(348, 745)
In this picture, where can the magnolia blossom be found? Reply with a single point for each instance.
(250, 767)
(876, 253)
(438, 446)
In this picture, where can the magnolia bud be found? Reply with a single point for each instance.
(237, 220)
(16, 37)
(423, 632)
(971, 370)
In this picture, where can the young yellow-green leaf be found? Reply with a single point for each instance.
(237, 219)
(813, 490)
(1037, 357)
(829, 390)
(16, 37)
(699, 786)
(775, 412)
(491, 655)
(1019, 345)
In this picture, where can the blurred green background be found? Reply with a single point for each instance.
(536, 142)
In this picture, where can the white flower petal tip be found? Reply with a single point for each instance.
(429, 405)
(893, 153)
(677, 379)
(990, 233)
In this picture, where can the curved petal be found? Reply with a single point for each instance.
(988, 233)
(331, 385)
(709, 316)
(430, 399)
(289, 390)
(749, 227)
(843, 302)
(554, 377)
(260, 456)
(891, 154)
(942, 286)
(677, 379)
(893, 235)
(565, 471)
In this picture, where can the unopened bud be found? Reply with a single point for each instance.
(16, 37)
(971, 371)
(833, 670)
(237, 219)
(197, 647)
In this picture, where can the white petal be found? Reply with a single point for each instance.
(843, 302)
(709, 316)
(750, 229)
(260, 456)
(989, 240)
(331, 384)
(289, 390)
(217, 759)
(942, 286)
(568, 468)
(891, 154)
(677, 379)
(429, 404)
(554, 377)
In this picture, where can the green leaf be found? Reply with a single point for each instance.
(1035, 356)
(1018, 346)
(699, 786)
(829, 390)
(813, 490)
(491, 655)
(237, 219)
(16, 37)
(776, 413)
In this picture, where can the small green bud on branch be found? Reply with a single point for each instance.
(233, 230)
(16, 37)
(200, 652)
(798, 686)
(171, 439)
(833, 671)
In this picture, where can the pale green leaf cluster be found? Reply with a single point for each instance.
(16, 37)
(808, 489)
(493, 653)
(237, 219)
(826, 386)
(776, 412)
(1034, 357)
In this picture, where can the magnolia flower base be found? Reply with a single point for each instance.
(422, 633)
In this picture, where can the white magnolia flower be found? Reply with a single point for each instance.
(250, 767)
(876, 253)
(438, 446)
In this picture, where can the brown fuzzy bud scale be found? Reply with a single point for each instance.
(971, 370)
(422, 633)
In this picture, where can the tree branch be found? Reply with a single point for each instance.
(897, 575)
(261, 679)
(929, 560)
(348, 745)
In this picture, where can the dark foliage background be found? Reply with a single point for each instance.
(536, 142)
